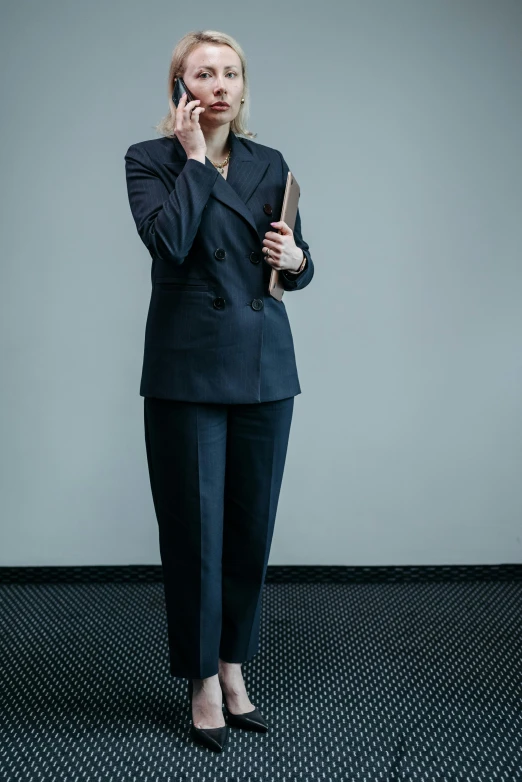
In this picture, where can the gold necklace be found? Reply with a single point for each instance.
(220, 166)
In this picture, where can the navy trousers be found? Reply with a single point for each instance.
(215, 474)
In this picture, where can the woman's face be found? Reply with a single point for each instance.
(213, 73)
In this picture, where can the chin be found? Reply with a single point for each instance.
(220, 121)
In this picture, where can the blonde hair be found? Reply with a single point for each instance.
(177, 67)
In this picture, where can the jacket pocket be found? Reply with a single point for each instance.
(182, 284)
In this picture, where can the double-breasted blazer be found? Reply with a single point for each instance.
(213, 332)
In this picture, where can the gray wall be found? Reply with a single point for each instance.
(402, 122)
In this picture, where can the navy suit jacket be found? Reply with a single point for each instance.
(213, 332)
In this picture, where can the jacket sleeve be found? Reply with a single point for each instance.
(167, 222)
(297, 281)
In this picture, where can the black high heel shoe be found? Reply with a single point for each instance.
(213, 738)
(249, 720)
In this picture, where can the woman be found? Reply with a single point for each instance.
(219, 373)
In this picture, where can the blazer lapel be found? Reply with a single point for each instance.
(245, 172)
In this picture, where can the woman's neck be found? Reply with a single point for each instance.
(217, 142)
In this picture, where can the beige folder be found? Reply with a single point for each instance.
(288, 215)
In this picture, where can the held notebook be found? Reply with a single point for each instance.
(288, 215)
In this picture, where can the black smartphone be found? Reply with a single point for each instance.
(179, 88)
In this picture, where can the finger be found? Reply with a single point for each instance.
(274, 249)
(272, 246)
(269, 259)
(188, 110)
(179, 108)
(185, 99)
(282, 226)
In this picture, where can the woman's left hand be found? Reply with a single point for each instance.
(284, 253)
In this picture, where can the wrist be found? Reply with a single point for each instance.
(301, 266)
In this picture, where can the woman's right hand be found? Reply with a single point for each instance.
(188, 129)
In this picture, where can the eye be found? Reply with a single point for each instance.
(206, 73)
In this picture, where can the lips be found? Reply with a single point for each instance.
(221, 103)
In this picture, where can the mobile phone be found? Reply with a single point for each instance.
(179, 88)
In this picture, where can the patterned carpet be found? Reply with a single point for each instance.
(370, 682)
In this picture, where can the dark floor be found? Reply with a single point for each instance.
(372, 682)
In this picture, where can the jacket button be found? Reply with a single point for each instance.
(267, 209)
(255, 256)
(219, 303)
(257, 304)
(220, 254)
